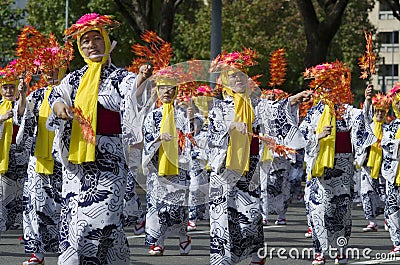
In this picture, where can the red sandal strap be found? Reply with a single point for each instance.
(183, 245)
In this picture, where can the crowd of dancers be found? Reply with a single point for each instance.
(71, 154)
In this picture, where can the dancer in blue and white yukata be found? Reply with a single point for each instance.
(42, 188)
(166, 165)
(13, 156)
(372, 188)
(95, 170)
(390, 171)
(236, 229)
(330, 165)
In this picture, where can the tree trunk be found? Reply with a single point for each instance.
(167, 19)
(319, 34)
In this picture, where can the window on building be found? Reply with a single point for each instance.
(391, 37)
(388, 75)
(383, 6)
(385, 13)
(389, 70)
(389, 42)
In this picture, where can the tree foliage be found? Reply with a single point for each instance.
(11, 23)
(261, 25)
(136, 17)
(267, 26)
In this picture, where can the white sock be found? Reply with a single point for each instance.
(39, 255)
(282, 216)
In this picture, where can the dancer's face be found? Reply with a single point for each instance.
(8, 91)
(92, 43)
(379, 115)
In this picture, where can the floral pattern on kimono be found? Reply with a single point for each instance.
(137, 107)
(372, 191)
(92, 204)
(199, 187)
(274, 176)
(42, 193)
(330, 196)
(389, 170)
(167, 211)
(12, 182)
(236, 231)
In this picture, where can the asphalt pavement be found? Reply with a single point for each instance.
(284, 244)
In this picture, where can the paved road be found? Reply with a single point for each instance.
(290, 238)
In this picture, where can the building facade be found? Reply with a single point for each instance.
(389, 54)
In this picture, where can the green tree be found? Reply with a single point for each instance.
(136, 17)
(266, 26)
(12, 21)
(260, 25)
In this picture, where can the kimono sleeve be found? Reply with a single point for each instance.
(151, 144)
(390, 147)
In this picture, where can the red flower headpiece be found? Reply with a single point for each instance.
(54, 55)
(8, 73)
(90, 21)
(335, 76)
(381, 101)
(234, 60)
(394, 93)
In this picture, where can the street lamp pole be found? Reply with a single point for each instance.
(383, 77)
(66, 13)
(216, 34)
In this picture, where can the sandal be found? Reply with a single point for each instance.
(138, 229)
(262, 262)
(185, 246)
(319, 260)
(33, 260)
(156, 250)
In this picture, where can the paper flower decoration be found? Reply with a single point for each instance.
(277, 68)
(156, 52)
(90, 21)
(85, 125)
(367, 62)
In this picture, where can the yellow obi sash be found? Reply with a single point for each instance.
(375, 154)
(168, 151)
(44, 139)
(6, 137)
(326, 154)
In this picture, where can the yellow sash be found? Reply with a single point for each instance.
(44, 139)
(375, 154)
(266, 155)
(6, 137)
(238, 153)
(326, 154)
(397, 180)
(86, 98)
(168, 151)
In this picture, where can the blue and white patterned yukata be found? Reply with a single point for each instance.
(167, 196)
(12, 182)
(91, 229)
(330, 196)
(42, 193)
